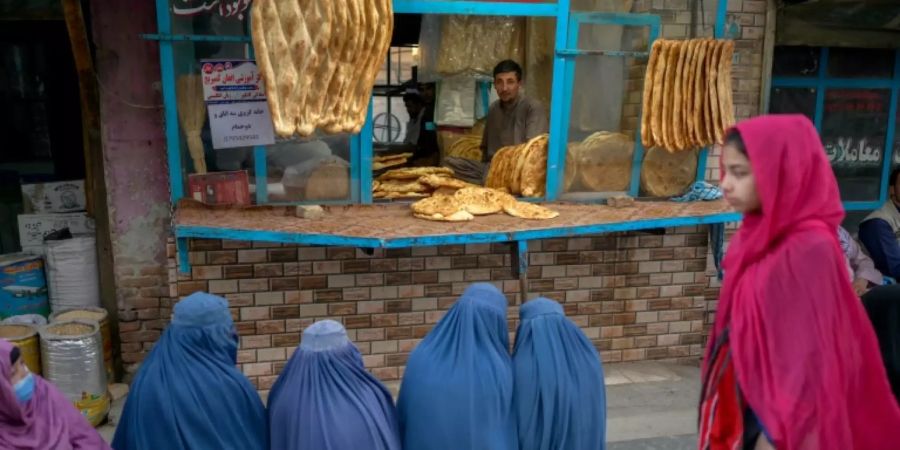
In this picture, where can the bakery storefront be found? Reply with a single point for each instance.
(296, 195)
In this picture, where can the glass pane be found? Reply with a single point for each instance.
(311, 169)
(854, 127)
(796, 61)
(861, 63)
(896, 158)
(793, 101)
(603, 122)
(222, 18)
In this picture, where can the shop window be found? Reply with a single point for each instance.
(796, 61)
(860, 63)
(854, 129)
(793, 101)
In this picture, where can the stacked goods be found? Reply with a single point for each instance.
(72, 355)
(26, 338)
(603, 161)
(520, 169)
(473, 201)
(383, 162)
(665, 174)
(467, 146)
(416, 182)
(72, 273)
(474, 44)
(310, 51)
(687, 100)
(23, 286)
(100, 316)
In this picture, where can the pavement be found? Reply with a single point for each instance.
(649, 406)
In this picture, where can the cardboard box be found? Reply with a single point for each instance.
(57, 197)
(34, 227)
(220, 188)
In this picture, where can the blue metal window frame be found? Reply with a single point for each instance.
(822, 81)
(361, 144)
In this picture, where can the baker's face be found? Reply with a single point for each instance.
(507, 85)
(738, 183)
(18, 371)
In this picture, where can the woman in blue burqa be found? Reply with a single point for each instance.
(560, 397)
(326, 400)
(457, 389)
(188, 393)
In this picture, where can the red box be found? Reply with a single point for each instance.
(220, 188)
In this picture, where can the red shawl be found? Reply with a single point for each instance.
(804, 352)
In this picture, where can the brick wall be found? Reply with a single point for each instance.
(635, 296)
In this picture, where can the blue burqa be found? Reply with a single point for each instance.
(458, 385)
(326, 400)
(560, 397)
(188, 393)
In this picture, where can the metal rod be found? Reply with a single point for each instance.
(570, 52)
(164, 37)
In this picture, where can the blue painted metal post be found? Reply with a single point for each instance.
(891, 131)
(559, 107)
(477, 8)
(719, 33)
(521, 267)
(173, 137)
(184, 262)
(365, 158)
(637, 160)
(261, 174)
(484, 88)
(820, 89)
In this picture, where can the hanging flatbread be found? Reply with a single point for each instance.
(525, 210)
(606, 162)
(714, 131)
(723, 88)
(441, 208)
(688, 96)
(699, 110)
(668, 124)
(481, 201)
(534, 172)
(647, 99)
(665, 174)
(414, 173)
(678, 97)
(659, 77)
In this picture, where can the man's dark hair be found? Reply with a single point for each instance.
(413, 97)
(508, 65)
(894, 174)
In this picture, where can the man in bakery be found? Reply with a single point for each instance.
(511, 120)
(420, 137)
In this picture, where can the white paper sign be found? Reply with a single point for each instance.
(236, 102)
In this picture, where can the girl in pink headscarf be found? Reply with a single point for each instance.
(792, 361)
(34, 414)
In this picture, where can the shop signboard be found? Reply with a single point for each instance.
(236, 102)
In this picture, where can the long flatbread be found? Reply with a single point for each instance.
(713, 67)
(726, 114)
(678, 98)
(343, 69)
(699, 92)
(267, 38)
(659, 76)
(383, 20)
(647, 100)
(669, 96)
(704, 93)
(319, 20)
(687, 87)
(292, 20)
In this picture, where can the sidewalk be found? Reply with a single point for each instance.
(650, 406)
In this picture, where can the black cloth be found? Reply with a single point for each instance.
(883, 306)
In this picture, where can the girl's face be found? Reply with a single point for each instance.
(738, 183)
(18, 371)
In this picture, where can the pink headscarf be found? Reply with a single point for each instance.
(805, 355)
(47, 421)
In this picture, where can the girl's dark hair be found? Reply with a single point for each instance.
(14, 355)
(734, 138)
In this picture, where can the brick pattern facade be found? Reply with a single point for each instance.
(636, 296)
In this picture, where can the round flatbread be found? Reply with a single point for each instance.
(482, 201)
(606, 162)
(665, 174)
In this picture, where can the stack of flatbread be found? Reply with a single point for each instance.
(319, 60)
(603, 162)
(687, 102)
(467, 146)
(520, 169)
(383, 162)
(468, 202)
(416, 182)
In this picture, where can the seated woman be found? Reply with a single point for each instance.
(188, 393)
(325, 399)
(36, 415)
(559, 398)
(458, 385)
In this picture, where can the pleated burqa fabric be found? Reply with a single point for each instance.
(458, 385)
(325, 399)
(560, 397)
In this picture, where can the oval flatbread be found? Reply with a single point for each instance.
(532, 211)
(606, 162)
(440, 207)
(440, 181)
(413, 173)
(534, 172)
(665, 174)
(481, 201)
